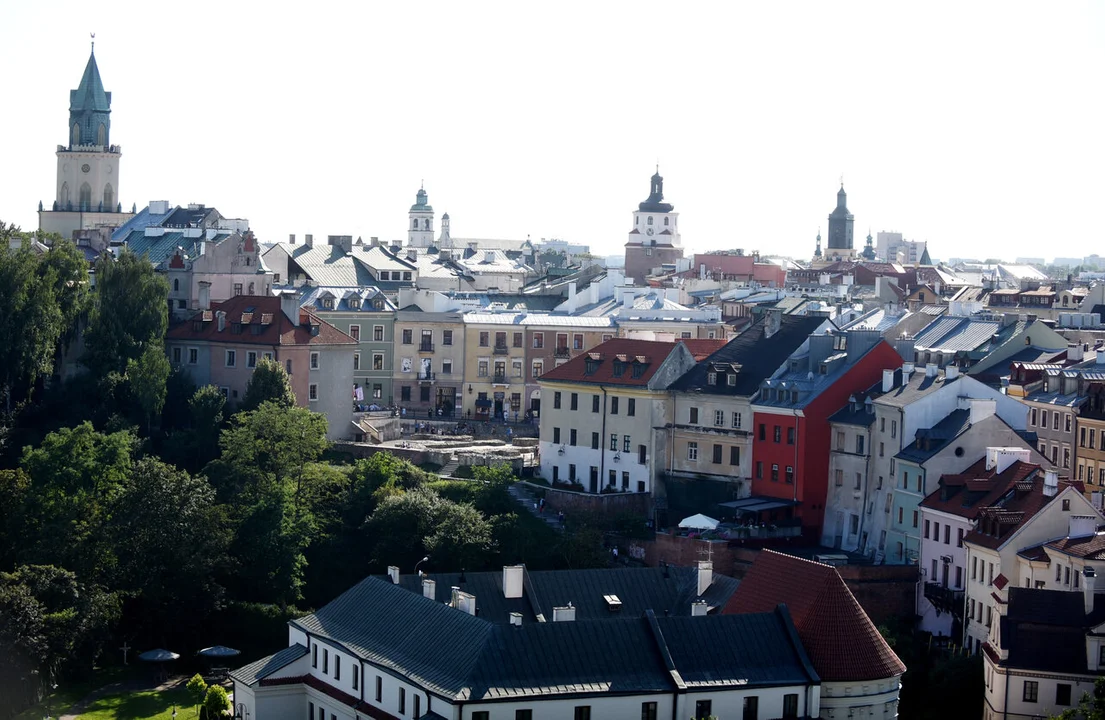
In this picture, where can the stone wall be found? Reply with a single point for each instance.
(609, 504)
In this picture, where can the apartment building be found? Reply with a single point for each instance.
(552, 340)
(494, 366)
(429, 362)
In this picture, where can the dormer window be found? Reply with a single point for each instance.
(355, 303)
(732, 380)
(711, 378)
(378, 304)
(639, 370)
(619, 368)
(590, 366)
(328, 303)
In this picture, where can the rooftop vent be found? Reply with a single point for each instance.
(516, 619)
(564, 614)
(699, 608)
(613, 603)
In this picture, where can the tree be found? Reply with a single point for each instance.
(32, 321)
(197, 688)
(408, 526)
(269, 383)
(129, 311)
(217, 702)
(147, 375)
(1091, 707)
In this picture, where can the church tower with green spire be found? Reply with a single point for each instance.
(87, 194)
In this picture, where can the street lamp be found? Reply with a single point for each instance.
(419, 563)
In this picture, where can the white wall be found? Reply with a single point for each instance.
(870, 699)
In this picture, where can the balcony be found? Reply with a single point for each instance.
(500, 350)
(562, 352)
(499, 379)
(426, 347)
(427, 378)
(945, 599)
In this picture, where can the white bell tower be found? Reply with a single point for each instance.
(420, 222)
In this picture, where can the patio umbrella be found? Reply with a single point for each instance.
(699, 522)
(158, 655)
(219, 651)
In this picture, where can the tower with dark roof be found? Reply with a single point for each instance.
(88, 165)
(841, 227)
(654, 239)
(869, 249)
(420, 230)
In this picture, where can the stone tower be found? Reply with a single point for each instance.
(840, 228)
(420, 228)
(654, 240)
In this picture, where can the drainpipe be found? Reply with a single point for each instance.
(866, 487)
(602, 441)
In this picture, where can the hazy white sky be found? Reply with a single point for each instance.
(977, 126)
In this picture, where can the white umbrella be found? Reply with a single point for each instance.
(219, 651)
(158, 655)
(699, 522)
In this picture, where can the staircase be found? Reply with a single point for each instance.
(524, 496)
(449, 468)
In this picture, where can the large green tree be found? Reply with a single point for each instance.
(147, 376)
(268, 383)
(129, 311)
(410, 525)
(31, 323)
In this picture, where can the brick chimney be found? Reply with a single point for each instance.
(705, 576)
(289, 305)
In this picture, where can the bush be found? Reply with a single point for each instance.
(217, 702)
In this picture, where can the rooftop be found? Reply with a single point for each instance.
(965, 494)
(252, 320)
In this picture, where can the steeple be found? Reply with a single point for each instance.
(817, 252)
(420, 233)
(840, 224)
(90, 109)
(869, 250)
(842, 199)
(655, 202)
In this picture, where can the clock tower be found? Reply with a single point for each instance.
(87, 193)
(420, 231)
(654, 239)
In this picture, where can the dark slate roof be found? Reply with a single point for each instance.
(757, 356)
(857, 413)
(1045, 630)
(468, 657)
(267, 666)
(934, 439)
(664, 591)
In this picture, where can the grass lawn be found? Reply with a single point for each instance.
(67, 694)
(142, 705)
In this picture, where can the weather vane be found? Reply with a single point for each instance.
(93, 40)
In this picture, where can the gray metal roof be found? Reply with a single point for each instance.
(268, 665)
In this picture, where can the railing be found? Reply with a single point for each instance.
(500, 350)
(562, 352)
(426, 377)
(945, 599)
(499, 379)
(426, 347)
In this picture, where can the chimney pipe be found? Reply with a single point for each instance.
(705, 576)
(887, 380)
(429, 588)
(205, 296)
(393, 573)
(564, 614)
(699, 608)
(291, 238)
(1051, 483)
(951, 372)
(512, 580)
(516, 619)
(309, 239)
(1089, 580)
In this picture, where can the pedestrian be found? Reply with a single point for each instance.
(615, 553)
(560, 517)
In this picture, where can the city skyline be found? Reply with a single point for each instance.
(560, 129)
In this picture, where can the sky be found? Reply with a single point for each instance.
(975, 126)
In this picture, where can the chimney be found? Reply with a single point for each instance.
(907, 371)
(1051, 483)
(564, 614)
(1081, 526)
(512, 580)
(393, 573)
(429, 588)
(291, 238)
(571, 298)
(705, 576)
(220, 316)
(374, 241)
(1074, 352)
(289, 305)
(773, 321)
(516, 619)
(887, 380)
(982, 409)
(465, 602)
(951, 372)
(905, 347)
(931, 370)
(699, 608)
(1089, 579)
(309, 239)
(205, 295)
(999, 459)
(412, 254)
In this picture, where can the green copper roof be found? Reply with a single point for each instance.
(90, 95)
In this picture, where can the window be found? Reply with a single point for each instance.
(926, 529)
(1066, 425)
(314, 656)
(556, 435)
(538, 368)
(325, 661)
(790, 475)
(736, 420)
(790, 705)
(613, 405)
(405, 393)
(947, 534)
(312, 391)
(231, 358)
(408, 336)
(859, 444)
(703, 709)
(1062, 694)
(719, 417)
(556, 400)
(378, 333)
(1066, 457)
(751, 708)
(523, 715)
(538, 340)
(337, 666)
(193, 358)
(838, 477)
(763, 431)
(595, 400)
(310, 711)
(839, 440)
(379, 689)
(719, 453)
(734, 455)
(594, 441)
(778, 436)
(1055, 421)
(572, 437)
(759, 469)
(774, 473)
(355, 332)
(417, 706)
(648, 711)
(642, 456)
(516, 340)
(583, 712)
(402, 700)
(575, 401)
(627, 446)
(356, 361)
(251, 359)
(859, 481)
(893, 428)
(693, 416)
(176, 356)
(613, 442)
(314, 361)
(356, 682)
(631, 406)
(1031, 689)
(484, 338)
(959, 538)
(692, 451)
(711, 378)
(237, 289)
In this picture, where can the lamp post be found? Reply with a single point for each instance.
(419, 563)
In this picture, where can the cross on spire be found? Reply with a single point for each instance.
(93, 41)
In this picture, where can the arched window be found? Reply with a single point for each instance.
(650, 220)
(251, 288)
(76, 134)
(86, 196)
(665, 222)
(65, 194)
(101, 135)
(176, 284)
(109, 197)
(426, 224)
(414, 224)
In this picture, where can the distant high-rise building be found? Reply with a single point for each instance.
(841, 224)
(654, 240)
(88, 167)
(892, 247)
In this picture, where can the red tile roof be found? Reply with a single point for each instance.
(1016, 507)
(966, 493)
(1091, 547)
(840, 639)
(649, 353)
(264, 313)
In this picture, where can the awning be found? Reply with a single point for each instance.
(758, 504)
(483, 403)
(699, 522)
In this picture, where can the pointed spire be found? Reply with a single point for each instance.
(90, 95)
